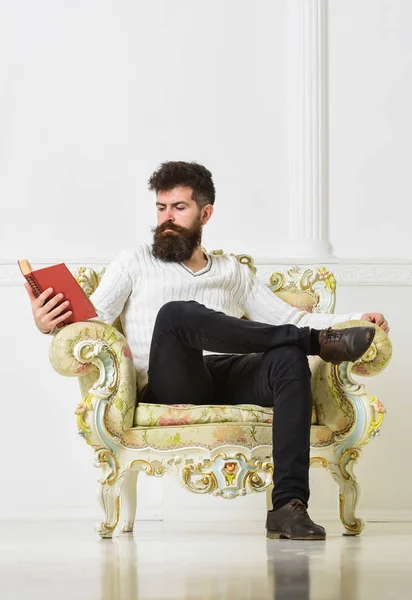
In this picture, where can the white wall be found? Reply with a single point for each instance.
(370, 74)
(94, 96)
(97, 94)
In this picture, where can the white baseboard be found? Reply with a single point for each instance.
(387, 516)
(211, 516)
(199, 515)
(75, 514)
(369, 515)
(251, 515)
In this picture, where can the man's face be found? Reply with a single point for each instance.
(179, 225)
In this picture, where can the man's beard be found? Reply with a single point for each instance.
(179, 246)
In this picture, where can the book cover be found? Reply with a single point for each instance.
(62, 281)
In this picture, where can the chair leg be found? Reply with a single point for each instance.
(109, 500)
(348, 500)
(108, 494)
(128, 495)
(349, 491)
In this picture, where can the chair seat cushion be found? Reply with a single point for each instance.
(211, 435)
(167, 415)
(173, 426)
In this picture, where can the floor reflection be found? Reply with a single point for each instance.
(289, 570)
(119, 566)
(284, 571)
(129, 573)
(209, 561)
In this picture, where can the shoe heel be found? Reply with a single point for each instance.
(274, 535)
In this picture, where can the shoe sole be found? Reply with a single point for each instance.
(278, 535)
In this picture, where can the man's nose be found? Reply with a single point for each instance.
(168, 216)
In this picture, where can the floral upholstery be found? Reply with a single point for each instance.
(112, 346)
(211, 435)
(167, 415)
(331, 407)
(152, 415)
(300, 300)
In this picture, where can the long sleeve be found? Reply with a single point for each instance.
(114, 289)
(261, 304)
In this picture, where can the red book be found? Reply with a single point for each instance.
(62, 281)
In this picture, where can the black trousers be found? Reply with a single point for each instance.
(264, 365)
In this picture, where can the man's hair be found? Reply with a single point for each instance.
(183, 174)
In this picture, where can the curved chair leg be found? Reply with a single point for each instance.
(349, 491)
(109, 500)
(348, 500)
(108, 494)
(128, 495)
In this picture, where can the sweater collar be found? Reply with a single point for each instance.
(202, 271)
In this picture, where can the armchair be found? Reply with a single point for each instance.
(220, 450)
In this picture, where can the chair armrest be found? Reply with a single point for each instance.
(100, 356)
(341, 403)
(377, 357)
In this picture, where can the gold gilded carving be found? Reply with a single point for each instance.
(319, 459)
(104, 457)
(204, 485)
(228, 477)
(104, 528)
(147, 467)
(356, 526)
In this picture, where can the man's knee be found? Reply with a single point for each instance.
(175, 312)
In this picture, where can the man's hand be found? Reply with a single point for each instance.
(46, 314)
(378, 319)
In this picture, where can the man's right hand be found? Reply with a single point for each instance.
(45, 312)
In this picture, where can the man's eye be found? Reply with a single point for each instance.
(160, 208)
(180, 207)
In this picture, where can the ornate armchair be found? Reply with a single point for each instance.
(224, 451)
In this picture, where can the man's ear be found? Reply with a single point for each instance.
(207, 212)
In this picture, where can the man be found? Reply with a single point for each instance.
(176, 301)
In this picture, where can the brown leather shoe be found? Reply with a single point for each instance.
(338, 345)
(293, 522)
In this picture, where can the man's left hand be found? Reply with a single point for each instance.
(378, 319)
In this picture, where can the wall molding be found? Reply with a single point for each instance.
(361, 273)
(347, 272)
(308, 128)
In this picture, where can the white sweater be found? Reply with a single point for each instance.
(136, 285)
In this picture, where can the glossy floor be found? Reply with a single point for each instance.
(202, 561)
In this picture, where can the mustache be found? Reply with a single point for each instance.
(169, 225)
